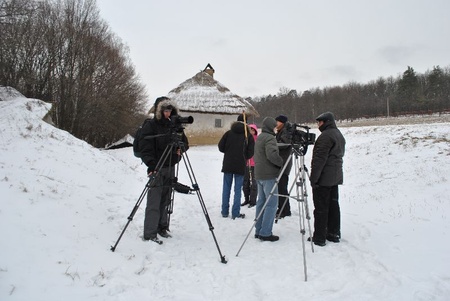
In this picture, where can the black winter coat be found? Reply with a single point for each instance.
(159, 133)
(326, 163)
(236, 148)
(284, 146)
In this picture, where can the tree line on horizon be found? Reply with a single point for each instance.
(63, 52)
(408, 94)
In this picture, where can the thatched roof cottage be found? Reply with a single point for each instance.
(213, 106)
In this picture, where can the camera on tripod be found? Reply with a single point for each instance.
(300, 138)
(177, 122)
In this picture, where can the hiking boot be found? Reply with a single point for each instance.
(256, 235)
(251, 205)
(333, 238)
(239, 216)
(245, 203)
(269, 238)
(164, 233)
(317, 243)
(224, 215)
(154, 239)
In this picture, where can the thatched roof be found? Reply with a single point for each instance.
(203, 94)
(126, 141)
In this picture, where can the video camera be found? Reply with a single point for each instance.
(300, 138)
(177, 122)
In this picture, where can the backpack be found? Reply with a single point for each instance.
(137, 138)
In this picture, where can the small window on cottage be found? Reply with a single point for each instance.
(218, 123)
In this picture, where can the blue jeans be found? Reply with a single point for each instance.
(226, 192)
(264, 224)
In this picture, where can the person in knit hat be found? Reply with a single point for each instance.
(285, 148)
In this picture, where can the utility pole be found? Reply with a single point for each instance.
(387, 105)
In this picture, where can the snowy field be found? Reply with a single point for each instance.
(64, 203)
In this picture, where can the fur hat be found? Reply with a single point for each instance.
(164, 104)
(282, 118)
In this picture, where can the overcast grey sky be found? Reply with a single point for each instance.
(259, 46)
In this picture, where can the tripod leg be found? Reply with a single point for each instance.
(277, 217)
(304, 172)
(173, 180)
(202, 203)
(133, 212)
(149, 184)
(262, 209)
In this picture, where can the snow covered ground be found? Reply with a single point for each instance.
(64, 203)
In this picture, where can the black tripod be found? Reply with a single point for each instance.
(297, 155)
(170, 148)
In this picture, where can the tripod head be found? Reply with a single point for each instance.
(175, 132)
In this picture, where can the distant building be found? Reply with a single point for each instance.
(126, 141)
(213, 106)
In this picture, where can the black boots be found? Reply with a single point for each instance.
(239, 216)
(317, 242)
(164, 233)
(269, 238)
(333, 238)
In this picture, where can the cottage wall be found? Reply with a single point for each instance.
(207, 128)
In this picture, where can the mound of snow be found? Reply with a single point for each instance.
(63, 203)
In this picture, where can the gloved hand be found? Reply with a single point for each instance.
(314, 185)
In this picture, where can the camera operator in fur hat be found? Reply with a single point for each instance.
(158, 134)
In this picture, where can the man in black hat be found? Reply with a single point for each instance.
(326, 175)
(284, 147)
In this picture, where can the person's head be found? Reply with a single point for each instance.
(253, 129)
(281, 120)
(269, 125)
(165, 108)
(166, 111)
(325, 117)
(158, 100)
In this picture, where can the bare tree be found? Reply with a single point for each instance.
(62, 52)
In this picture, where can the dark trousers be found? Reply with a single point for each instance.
(283, 189)
(250, 187)
(327, 213)
(158, 202)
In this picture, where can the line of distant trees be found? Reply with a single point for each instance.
(61, 51)
(408, 94)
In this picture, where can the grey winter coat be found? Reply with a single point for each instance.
(268, 161)
(326, 163)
